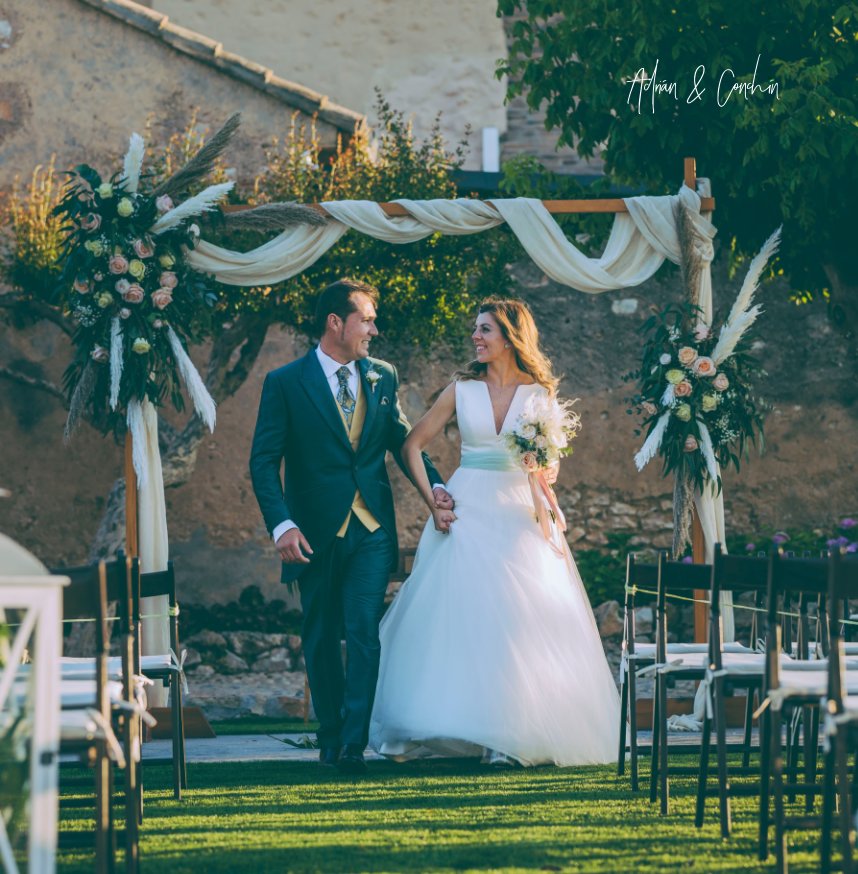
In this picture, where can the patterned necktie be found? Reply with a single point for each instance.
(345, 398)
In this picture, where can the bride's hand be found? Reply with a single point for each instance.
(443, 519)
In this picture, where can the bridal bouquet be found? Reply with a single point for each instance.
(543, 432)
(695, 391)
(542, 435)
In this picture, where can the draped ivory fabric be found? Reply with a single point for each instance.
(153, 546)
(638, 245)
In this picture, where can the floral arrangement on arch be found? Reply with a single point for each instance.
(126, 282)
(695, 389)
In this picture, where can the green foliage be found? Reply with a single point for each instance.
(429, 289)
(35, 233)
(603, 571)
(787, 160)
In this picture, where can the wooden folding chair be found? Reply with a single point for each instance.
(167, 668)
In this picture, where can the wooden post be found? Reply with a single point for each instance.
(690, 173)
(131, 540)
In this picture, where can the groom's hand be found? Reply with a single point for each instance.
(292, 547)
(443, 499)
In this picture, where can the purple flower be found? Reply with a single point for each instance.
(848, 523)
(750, 547)
(780, 537)
(688, 560)
(837, 542)
(853, 547)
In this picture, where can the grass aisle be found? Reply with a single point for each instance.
(443, 816)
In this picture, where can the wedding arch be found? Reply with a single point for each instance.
(644, 234)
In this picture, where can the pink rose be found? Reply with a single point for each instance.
(701, 332)
(721, 383)
(122, 285)
(82, 286)
(682, 389)
(117, 264)
(704, 366)
(690, 443)
(168, 279)
(162, 298)
(99, 354)
(90, 222)
(143, 249)
(157, 324)
(687, 355)
(529, 461)
(648, 408)
(163, 203)
(134, 294)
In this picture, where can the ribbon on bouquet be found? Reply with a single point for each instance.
(549, 516)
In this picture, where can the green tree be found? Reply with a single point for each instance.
(787, 158)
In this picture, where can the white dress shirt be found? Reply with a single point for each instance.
(330, 368)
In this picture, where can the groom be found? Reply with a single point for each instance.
(332, 416)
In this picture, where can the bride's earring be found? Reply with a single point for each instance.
(507, 345)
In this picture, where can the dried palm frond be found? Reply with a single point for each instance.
(683, 502)
(202, 163)
(690, 262)
(273, 217)
(79, 399)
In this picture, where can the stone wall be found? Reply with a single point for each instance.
(76, 83)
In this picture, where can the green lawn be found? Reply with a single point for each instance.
(441, 816)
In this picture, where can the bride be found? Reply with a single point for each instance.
(490, 648)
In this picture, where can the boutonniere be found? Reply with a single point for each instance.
(372, 377)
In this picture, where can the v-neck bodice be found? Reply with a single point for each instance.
(477, 423)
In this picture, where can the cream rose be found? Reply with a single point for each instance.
(137, 269)
(674, 376)
(704, 366)
(167, 261)
(541, 442)
(664, 358)
(682, 412)
(140, 346)
(134, 294)
(94, 247)
(118, 264)
(162, 298)
(690, 443)
(105, 190)
(125, 313)
(687, 355)
(701, 332)
(104, 300)
(721, 383)
(143, 249)
(168, 279)
(528, 432)
(682, 389)
(709, 403)
(157, 323)
(125, 207)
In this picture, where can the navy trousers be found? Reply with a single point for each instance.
(342, 594)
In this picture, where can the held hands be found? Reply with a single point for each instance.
(443, 519)
(293, 547)
(443, 499)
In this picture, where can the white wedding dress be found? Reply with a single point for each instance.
(491, 643)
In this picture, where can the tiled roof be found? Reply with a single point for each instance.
(208, 51)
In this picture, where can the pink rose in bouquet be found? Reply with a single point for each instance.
(162, 298)
(118, 264)
(704, 366)
(682, 389)
(134, 294)
(687, 355)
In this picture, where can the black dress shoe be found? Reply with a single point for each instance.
(329, 756)
(351, 760)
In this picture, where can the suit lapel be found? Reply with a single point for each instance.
(371, 395)
(319, 392)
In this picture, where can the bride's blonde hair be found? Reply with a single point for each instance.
(519, 330)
